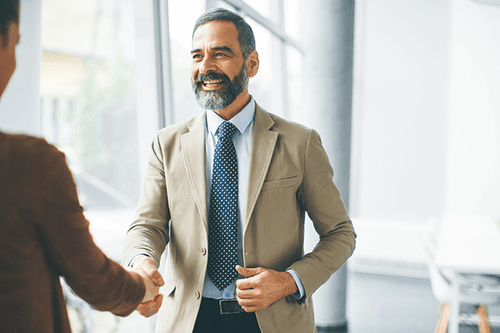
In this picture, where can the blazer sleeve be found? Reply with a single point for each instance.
(148, 234)
(323, 203)
(64, 232)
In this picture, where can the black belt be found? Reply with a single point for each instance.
(225, 306)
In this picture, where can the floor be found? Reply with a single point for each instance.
(387, 304)
(376, 304)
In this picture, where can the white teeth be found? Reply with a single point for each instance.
(213, 82)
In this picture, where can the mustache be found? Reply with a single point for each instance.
(210, 76)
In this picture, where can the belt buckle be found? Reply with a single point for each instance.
(229, 306)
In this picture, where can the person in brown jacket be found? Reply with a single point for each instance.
(43, 232)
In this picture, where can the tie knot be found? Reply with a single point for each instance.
(226, 130)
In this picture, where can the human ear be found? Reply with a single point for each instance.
(252, 63)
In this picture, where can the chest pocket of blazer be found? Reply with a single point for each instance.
(279, 184)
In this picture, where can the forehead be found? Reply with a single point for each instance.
(216, 33)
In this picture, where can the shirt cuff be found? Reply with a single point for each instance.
(300, 287)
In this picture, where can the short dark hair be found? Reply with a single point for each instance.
(245, 32)
(9, 13)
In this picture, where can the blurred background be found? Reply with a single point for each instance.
(405, 94)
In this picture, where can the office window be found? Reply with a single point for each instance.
(90, 111)
(182, 15)
(263, 7)
(88, 89)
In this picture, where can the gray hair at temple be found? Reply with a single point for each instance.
(245, 32)
(9, 13)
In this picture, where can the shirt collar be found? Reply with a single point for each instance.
(241, 120)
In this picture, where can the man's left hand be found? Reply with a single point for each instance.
(262, 287)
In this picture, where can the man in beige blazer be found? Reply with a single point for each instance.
(284, 172)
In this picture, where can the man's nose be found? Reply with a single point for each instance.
(207, 65)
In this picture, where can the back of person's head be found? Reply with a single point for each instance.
(9, 13)
(245, 32)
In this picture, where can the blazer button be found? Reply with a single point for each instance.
(203, 251)
(197, 295)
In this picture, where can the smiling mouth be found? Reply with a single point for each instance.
(213, 84)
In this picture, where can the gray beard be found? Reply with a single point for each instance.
(221, 98)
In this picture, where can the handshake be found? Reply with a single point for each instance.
(146, 268)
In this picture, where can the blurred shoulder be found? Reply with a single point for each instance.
(30, 156)
(26, 147)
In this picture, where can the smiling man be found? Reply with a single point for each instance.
(216, 56)
(228, 191)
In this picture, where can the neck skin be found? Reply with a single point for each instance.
(236, 106)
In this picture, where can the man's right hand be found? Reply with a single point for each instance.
(150, 306)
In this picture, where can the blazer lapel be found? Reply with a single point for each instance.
(193, 152)
(263, 143)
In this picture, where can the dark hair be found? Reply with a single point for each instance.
(9, 12)
(245, 32)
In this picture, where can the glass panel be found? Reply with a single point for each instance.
(292, 14)
(89, 110)
(295, 87)
(88, 94)
(261, 6)
(263, 86)
(182, 16)
(295, 59)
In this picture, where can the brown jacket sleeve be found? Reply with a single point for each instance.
(58, 217)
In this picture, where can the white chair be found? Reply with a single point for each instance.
(477, 290)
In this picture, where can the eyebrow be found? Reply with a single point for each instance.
(216, 48)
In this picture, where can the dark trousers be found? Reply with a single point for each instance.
(210, 320)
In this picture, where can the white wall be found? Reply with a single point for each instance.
(399, 120)
(473, 148)
(426, 122)
(401, 70)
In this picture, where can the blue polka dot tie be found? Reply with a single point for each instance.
(222, 233)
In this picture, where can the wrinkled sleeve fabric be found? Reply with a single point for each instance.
(322, 201)
(148, 234)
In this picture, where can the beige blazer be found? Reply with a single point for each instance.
(289, 175)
